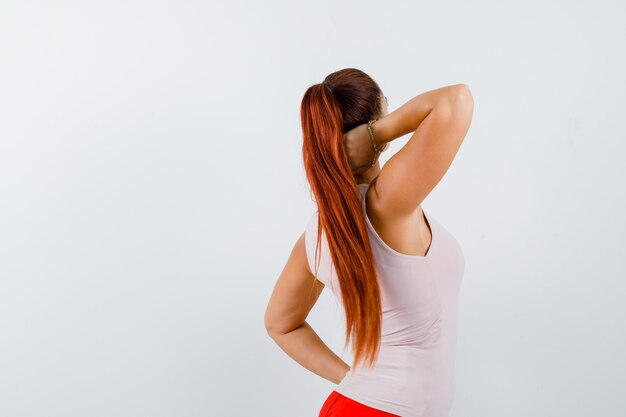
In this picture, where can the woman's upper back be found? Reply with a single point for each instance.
(409, 234)
(443, 261)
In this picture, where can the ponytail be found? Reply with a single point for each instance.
(341, 217)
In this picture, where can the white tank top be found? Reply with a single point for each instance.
(414, 374)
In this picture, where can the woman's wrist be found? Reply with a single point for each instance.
(344, 373)
(382, 133)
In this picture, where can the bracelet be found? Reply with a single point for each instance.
(378, 151)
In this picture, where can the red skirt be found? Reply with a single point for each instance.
(338, 405)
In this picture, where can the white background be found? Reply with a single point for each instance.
(152, 187)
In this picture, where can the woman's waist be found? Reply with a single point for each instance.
(405, 379)
(404, 365)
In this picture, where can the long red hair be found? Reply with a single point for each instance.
(344, 100)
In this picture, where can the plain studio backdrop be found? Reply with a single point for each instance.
(152, 187)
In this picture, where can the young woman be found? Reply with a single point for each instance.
(395, 269)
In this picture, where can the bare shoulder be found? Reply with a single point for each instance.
(406, 233)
